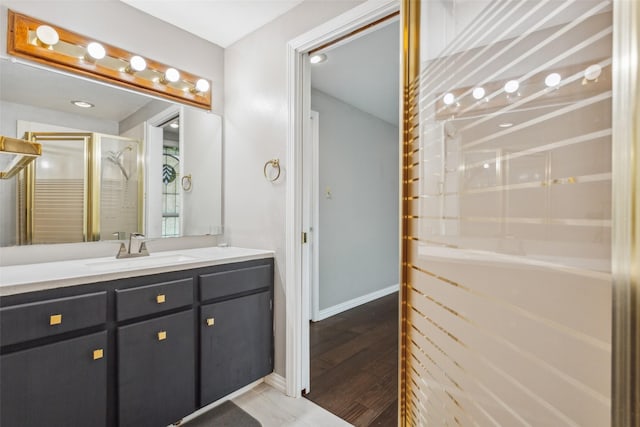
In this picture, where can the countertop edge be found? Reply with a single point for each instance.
(19, 288)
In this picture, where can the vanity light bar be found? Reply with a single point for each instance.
(57, 47)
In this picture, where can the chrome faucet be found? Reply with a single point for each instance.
(125, 252)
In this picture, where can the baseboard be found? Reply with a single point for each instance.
(348, 305)
(276, 381)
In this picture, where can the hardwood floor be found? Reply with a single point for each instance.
(354, 363)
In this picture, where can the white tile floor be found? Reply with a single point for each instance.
(274, 409)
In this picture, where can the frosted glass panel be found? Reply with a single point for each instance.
(508, 203)
(59, 192)
(119, 187)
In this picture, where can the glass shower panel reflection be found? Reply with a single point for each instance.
(508, 198)
(120, 182)
(56, 207)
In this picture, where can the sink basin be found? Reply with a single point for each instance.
(142, 262)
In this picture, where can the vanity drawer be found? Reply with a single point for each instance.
(231, 282)
(41, 319)
(154, 298)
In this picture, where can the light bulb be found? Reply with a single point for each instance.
(172, 75)
(552, 80)
(511, 86)
(478, 93)
(592, 72)
(202, 85)
(448, 98)
(96, 50)
(47, 35)
(137, 63)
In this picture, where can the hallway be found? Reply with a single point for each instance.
(354, 363)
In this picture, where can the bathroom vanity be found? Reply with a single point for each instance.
(132, 342)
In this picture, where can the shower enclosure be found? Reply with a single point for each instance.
(84, 187)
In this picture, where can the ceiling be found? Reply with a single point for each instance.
(364, 72)
(222, 22)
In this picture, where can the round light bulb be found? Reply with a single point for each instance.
(592, 72)
(172, 75)
(478, 93)
(511, 86)
(552, 80)
(47, 35)
(96, 50)
(137, 63)
(202, 85)
(448, 98)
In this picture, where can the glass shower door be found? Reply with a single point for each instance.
(507, 214)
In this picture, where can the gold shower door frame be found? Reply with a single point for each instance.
(92, 189)
(625, 236)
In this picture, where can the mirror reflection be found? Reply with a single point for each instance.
(114, 162)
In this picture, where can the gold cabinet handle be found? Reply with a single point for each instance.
(161, 299)
(162, 335)
(98, 354)
(55, 319)
(211, 321)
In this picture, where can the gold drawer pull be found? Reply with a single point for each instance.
(98, 354)
(55, 319)
(160, 299)
(162, 335)
(211, 321)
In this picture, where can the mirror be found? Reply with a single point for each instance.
(168, 178)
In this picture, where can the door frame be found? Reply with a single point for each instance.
(299, 106)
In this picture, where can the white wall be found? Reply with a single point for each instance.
(121, 25)
(358, 232)
(256, 131)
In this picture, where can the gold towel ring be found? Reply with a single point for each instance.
(275, 163)
(186, 182)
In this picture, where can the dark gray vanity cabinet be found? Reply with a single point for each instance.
(156, 375)
(61, 384)
(235, 345)
(139, 351)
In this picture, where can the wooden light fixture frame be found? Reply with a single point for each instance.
(21, 42)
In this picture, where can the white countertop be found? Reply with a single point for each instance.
(17, 279)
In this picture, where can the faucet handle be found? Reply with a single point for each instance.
(122, 252)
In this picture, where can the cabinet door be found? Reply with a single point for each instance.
(62, 384)
(156, 371)
(236, 346)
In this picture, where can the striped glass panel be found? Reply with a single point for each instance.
(60, 192)
(508, 215)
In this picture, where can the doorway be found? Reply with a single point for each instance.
(351, 259)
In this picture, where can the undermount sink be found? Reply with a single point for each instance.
(141, 262)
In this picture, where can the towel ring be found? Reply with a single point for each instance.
(275, 164)
(186, 182)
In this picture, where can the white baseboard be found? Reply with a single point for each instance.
(276, 381)
(347, 305)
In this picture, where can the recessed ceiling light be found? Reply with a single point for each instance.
(82, 104)
(505, 125)
(318, 58)
(174, 125)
